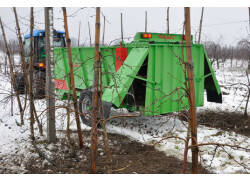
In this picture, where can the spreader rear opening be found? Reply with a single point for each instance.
(139, 86)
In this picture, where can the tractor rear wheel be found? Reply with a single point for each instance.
(39, 84)
(20, 85)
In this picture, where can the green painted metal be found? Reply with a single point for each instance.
(137, 77)
(83, 60)
(165, 67)
(160, 37)
(165, 77)
(61, 69)
(123, 79)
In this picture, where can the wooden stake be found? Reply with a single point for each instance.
(121, 27)
(6, 64)
(68, 113)
(50, 85)
(249, 29)
(191, 97)
(11, 102)
(12, 89)
(24, 69)
(13, 80)
(0, 49)
(90, 44)
(12, 93)
(26, 77)
(168, 20)
(103, 121)
(200, 25)
(103, 30)
(95, 94)
(72, 79)
(31, 71)
(79, 33)
(249, 15)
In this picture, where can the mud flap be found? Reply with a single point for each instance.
(106, 107)
(210, 83)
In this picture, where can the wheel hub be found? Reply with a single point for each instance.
(86, 108)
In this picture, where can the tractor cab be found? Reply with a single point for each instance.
(39, 46)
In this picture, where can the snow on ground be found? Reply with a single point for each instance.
(149, 130)
(16, 148)
(14, 139)
(229, 78)
(15, 143)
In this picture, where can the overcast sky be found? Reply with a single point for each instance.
(232, 24)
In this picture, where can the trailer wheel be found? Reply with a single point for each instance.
(85, 108)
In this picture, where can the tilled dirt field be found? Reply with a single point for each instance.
(127, 157)
(226, 121)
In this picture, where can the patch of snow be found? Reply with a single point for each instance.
(150, 130)
(15, 141)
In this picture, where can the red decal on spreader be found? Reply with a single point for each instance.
(121, 55)
(61, 84)
(166, 37)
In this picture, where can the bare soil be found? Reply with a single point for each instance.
(127, 157)
(226, 121)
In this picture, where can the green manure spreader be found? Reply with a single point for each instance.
(145, 74)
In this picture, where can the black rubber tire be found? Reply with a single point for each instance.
(85, 100)
(20, 84)
(39, 84)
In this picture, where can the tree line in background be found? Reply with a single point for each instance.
(220, 53)
(217, 52)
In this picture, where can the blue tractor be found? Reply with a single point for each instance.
(39, 60)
